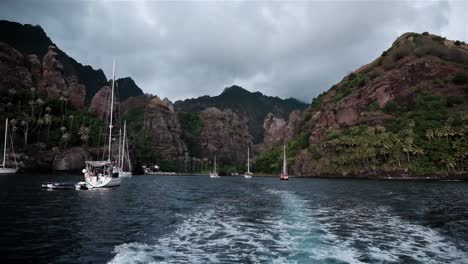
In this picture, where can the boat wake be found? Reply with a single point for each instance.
(294, 232)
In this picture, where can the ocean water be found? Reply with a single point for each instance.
(194, 219)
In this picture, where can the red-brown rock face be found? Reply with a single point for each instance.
(101, 102)
(278, 130)
(224, 134)
(162, 128)
(13, 71)
(52, 73)
(35, 68)
(76, 94)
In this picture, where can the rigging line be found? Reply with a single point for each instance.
(13, 150)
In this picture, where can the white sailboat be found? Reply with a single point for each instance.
(125, 156)
(248, 174)
(104, 173)
(214, 173)
(4, 169)
(284, 174)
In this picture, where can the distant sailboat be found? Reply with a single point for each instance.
(248, 174)
(103, 173)
(4, 169)
(214, 173)
(284, 174)
(125, 155)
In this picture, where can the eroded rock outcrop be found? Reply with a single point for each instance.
(224, 134)
(70, 159)
(52, 73)
(76, 93)
(100, 103)
(162, 128)
(14, 75)
(278, 130)
(35, 67)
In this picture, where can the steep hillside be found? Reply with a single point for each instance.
(126, 87)
(252, 107)
(29, 39)
(406, 112)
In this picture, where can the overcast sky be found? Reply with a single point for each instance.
(188, 49)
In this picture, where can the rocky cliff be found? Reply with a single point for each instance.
(225, 135)
(391, 114)
(29, 39)
(19, 73)
(162, 128)
(278, 130)
(251, 107)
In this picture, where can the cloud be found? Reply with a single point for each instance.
(188, 49)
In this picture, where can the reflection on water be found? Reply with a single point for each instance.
(232, 220)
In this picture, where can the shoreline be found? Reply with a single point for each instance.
(369, 176)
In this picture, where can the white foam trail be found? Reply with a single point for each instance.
(294, 233)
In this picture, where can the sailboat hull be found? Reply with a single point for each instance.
(125, 174)
(103, 182)
(8, 170)
(284, 177)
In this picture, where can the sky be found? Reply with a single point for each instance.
(186, 49)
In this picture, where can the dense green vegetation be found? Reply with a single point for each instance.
(427, 134)
(271, 161)
(51, 122)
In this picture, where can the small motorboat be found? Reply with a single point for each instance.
(83, 186)
(58, 185)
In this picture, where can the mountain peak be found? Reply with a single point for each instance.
(234, 89)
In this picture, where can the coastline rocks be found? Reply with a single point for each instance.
(70, 159)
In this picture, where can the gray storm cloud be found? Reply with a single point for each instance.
(188, 49)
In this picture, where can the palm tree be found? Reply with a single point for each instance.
(84, 135)
(40, 103)
(65, 137)
(40, 122)
(24, 124)
(71, 117)
(48, 122)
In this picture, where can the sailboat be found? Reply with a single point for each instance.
(125, 155)
(103, 173)
(284, 174)
(248, 174)
(4, 169)
(214, 173)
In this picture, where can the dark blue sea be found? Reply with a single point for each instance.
(195, 219)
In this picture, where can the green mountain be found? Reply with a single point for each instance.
(404, 114)
(253, 107)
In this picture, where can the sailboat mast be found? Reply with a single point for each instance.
(123, 143)
(5, 144)
(248, 159)
(120, 147)
(214, 164)
(128, 156)
(111, 110)
(284, 158)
